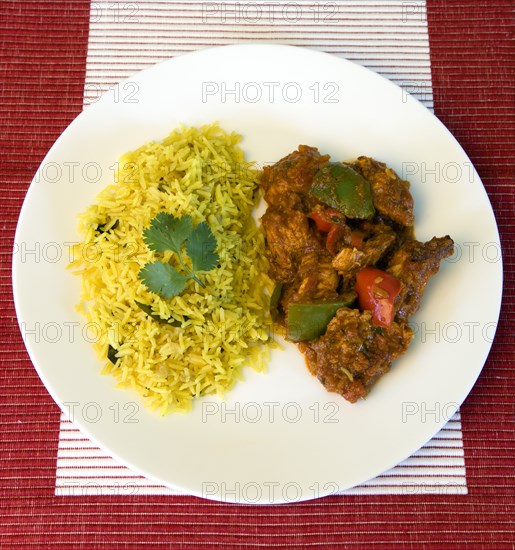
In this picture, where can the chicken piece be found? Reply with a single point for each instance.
(350, 260)
(378, 244)
(280, 194)
(354, 353)
(288, 236)
(287, 182)
(390, 193)
(414, 263)
(317, 279)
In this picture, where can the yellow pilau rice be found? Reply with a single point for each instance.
(224, 326)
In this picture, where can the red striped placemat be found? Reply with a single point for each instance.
(44, 74)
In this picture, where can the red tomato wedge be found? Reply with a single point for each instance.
(335, 235)
(377, 291)
(325, 218)
(330, 221)
(321, 223)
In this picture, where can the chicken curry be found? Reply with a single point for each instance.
(348, 269)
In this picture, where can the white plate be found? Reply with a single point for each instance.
(279, 437)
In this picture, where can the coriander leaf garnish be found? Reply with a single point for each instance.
(150, 312)
(162, 279)
(111, 354)
(169, 233)
(200, 247)
(101, 228)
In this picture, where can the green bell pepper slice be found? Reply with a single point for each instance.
(307, 321)
(340, 186)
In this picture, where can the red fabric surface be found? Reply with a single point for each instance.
(43, 48)
(473, 77)
(43, 53)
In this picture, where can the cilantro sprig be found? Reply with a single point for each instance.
(169, 233)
